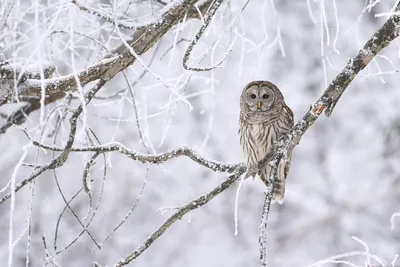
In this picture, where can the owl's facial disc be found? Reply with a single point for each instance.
(260, 98)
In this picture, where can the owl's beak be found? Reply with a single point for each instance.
(259, 105)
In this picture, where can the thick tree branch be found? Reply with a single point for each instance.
(14, 74)
(382, 38)
(11, 72)
(29, 84)
(109, 67)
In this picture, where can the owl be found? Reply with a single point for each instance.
(264, 117)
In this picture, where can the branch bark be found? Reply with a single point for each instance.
(328, 100)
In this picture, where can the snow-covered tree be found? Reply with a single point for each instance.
(119, 125)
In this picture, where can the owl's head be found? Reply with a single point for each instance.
(261, 96)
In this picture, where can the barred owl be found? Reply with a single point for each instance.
(264, 117)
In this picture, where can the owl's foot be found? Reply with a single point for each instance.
(251, 172)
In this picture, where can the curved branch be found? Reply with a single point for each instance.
(208, 17)
(382, 38)
(155, 158)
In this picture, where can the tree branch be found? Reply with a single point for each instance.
(108, 67)
(382, 38)
(60, 160)
(195, 204)
(29, 84)
(20, 115)
(155, 158)
(208, 17)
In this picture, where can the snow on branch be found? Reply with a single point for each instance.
(11, 74)
(155, 158)
(108, 67)
(328, 100)
(29, 84)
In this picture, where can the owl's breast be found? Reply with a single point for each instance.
(256, 140)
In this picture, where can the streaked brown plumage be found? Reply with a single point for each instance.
(264, 117)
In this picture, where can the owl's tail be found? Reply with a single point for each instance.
(279, 189)
(279, 186)
(279, 192)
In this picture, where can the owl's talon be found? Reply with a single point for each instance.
(251, 171)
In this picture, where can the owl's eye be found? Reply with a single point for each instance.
(253, 96)
(265, 96)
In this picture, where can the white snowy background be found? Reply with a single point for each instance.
(345, 175)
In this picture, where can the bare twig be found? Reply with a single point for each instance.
(73, 212)
(382, 38)
(208, 16)
(60, 216)
(86, 178)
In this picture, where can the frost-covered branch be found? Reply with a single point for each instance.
(62, 158)
(143, 38)
(195, 204)
(382, 38)
(11, 74)
(155, 158)
(112, 64)
(208, 17)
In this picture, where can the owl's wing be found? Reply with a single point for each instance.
(286, 124)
